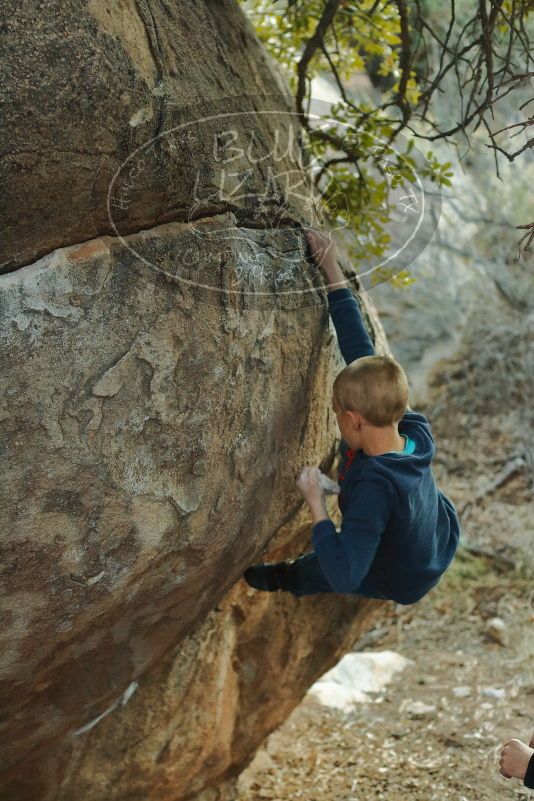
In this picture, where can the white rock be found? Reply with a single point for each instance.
(418, 710)
(496, 630)
(355, 675)
(494, 692)
(461, 692)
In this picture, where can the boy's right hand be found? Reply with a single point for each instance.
(322, 249)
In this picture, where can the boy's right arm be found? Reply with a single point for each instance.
(352, 336)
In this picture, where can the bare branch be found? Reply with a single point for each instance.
(311, 47)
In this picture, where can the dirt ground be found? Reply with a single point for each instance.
(477, 691)
(378, 750)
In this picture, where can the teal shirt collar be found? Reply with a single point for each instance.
(409, 447)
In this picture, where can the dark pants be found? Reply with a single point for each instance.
(304, 576)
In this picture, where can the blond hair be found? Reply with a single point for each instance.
(374, 386)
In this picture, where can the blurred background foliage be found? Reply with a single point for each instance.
(444, 76)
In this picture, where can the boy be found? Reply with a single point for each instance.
(399, 532)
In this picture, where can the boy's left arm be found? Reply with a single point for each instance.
(346, 558)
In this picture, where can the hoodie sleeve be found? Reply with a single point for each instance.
(345, 558)
(352, 336)
(528, 781)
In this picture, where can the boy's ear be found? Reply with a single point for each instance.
(355, 419)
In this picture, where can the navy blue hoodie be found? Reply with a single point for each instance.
(399, 532)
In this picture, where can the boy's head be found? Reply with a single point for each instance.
(373, 387)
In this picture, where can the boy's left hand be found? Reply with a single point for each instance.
(310, 487)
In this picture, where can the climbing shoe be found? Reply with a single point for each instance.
(267, 577)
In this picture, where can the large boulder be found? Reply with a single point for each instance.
(162, 389)
(144, 105)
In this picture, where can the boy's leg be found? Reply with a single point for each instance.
(305, 576)
(302, 576)
(369, 589)
(267, 576)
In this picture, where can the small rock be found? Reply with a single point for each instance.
(398, 734)
(461, 692)
(494, 692)
(451, 741)
(417, 710)
(496, 630)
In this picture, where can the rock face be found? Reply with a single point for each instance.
(90, 85)
(162, 390)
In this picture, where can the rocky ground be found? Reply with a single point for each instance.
(435, 731)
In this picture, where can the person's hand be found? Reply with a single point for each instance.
(324, 253)
(310, 487)
(515, 757)
(322, 249)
